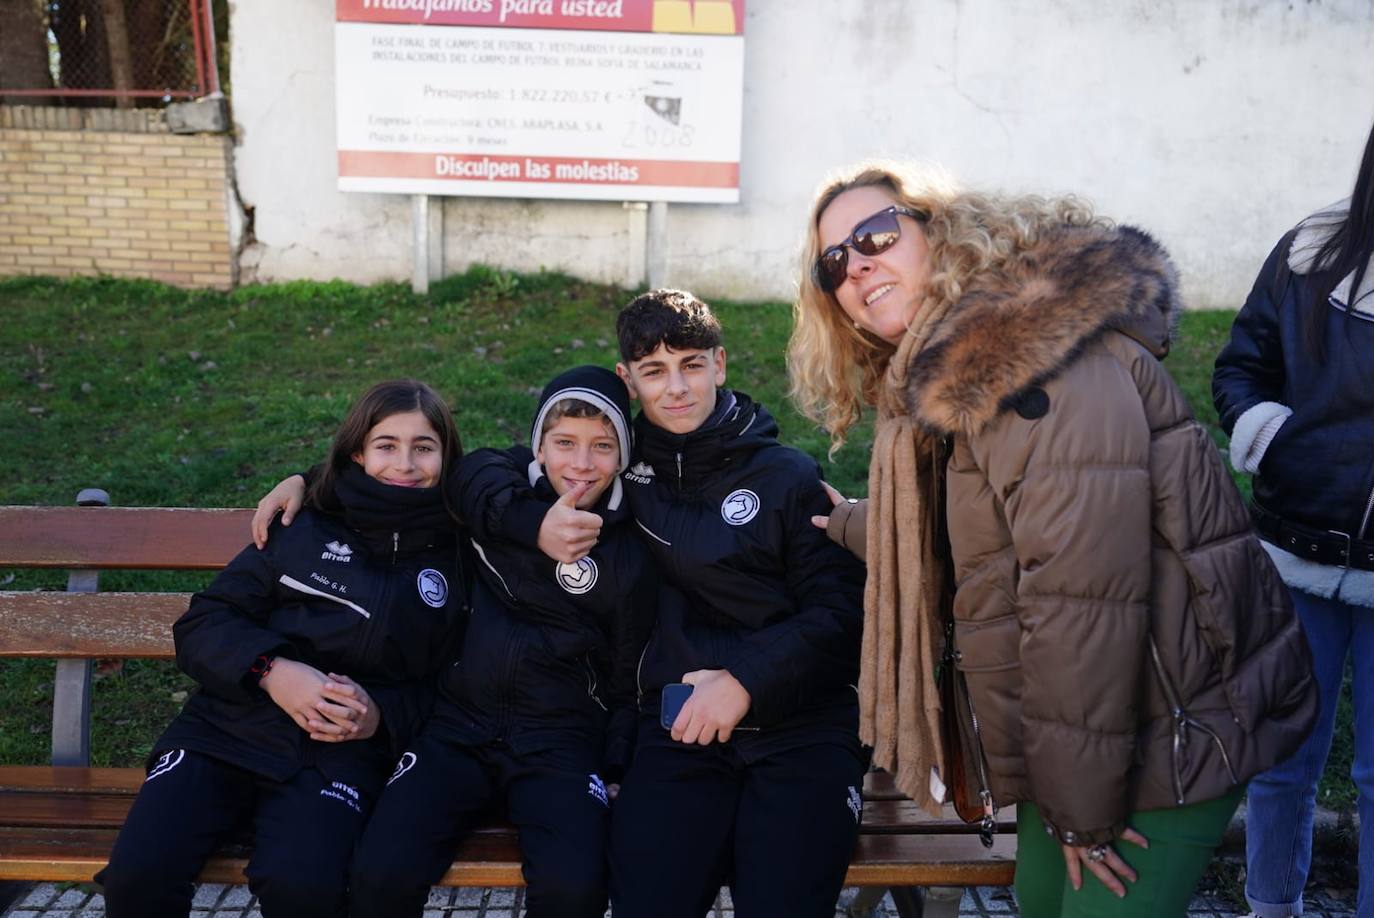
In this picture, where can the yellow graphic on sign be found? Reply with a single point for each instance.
(712, 17)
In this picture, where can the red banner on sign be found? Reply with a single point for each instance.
(478, 167)
(691, 17)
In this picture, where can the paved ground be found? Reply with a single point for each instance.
(212, 901)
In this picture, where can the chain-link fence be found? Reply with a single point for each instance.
(93, 52)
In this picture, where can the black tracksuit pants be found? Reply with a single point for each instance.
(779, 830)
(440, 790)
(303, 832)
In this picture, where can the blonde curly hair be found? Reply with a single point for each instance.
(835, 368)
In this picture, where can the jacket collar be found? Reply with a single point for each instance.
(1019, 325)
(1311, 234)
(686, 459)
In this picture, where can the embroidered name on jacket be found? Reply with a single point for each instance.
(344, 793)
(336, 551)
(739, 507)
(577, 577)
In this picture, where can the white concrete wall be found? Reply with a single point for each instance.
(1213, 123)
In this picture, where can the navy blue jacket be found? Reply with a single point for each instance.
(1319, 469)
(384, 610)
(753, 586)
(550, 652)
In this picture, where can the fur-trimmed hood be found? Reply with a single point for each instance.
(1020, 325)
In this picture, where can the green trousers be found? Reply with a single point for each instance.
(1182, 842)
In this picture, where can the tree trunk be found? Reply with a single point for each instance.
(117, 40)
(23, 49)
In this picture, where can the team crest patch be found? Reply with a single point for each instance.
(433, 587)
(739, 507)
(578, 577)
(597, 788)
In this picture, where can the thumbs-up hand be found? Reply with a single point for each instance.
(568, 533)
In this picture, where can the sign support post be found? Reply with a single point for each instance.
(656, 245)
(419, 243)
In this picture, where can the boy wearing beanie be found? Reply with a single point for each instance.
(540, 710)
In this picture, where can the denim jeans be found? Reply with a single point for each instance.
(1278, 824)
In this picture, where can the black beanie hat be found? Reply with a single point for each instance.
(597, 386)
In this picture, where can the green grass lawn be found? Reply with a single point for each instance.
(166, 397)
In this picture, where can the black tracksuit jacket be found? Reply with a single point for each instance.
(550, 652)
(752, 585)
(385, 609)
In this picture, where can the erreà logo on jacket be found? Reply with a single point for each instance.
(640, 473)
(337, 551)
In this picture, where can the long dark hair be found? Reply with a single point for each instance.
(1347, 249)
(394, 396)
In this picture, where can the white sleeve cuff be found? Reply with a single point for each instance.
(1253, 433)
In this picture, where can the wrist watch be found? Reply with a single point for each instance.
(262, 666)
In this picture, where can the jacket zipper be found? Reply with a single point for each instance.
(395, 547)
(679, 470)
(1182, 721)
(639, 669)
(988, 824)
(591, 682)
(1364, 522)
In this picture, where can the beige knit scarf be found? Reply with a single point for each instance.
(899, 701)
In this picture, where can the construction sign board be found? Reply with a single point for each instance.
(624, 100)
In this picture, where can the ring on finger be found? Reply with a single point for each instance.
(1097, 853)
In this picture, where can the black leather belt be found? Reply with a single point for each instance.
(1324, 546)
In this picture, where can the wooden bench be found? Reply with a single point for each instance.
(58, 822)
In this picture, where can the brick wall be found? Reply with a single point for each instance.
(104, 191)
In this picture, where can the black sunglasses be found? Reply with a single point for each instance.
(871, 235)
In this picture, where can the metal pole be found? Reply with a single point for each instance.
(656, 245)
(198, 44)
(419, 243)
(436, 238)
(638, 253)
(211, 52)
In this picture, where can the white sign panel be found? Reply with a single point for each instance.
(600, 107)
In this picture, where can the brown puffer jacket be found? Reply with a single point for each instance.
(1126, 642)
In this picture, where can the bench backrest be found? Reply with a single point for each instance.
(82, 624)
(85, 623)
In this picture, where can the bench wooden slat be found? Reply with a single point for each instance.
(90, 625)
(78, 798)
(885, 817)
(74, 855)
(136, 538)
(924, 860)
(46, 778)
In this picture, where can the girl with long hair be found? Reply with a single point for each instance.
(312, 657)
(1293, 388)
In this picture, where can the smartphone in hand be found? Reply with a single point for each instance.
(675, 695)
